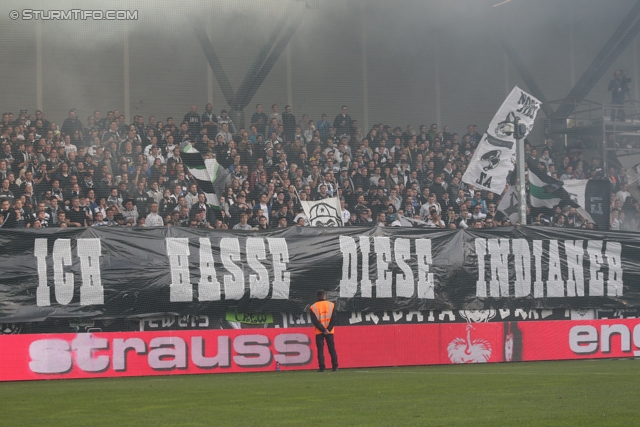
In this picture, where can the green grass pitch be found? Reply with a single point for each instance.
(576, 393)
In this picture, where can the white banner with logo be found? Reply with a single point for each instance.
(323, 213)
(495, 155)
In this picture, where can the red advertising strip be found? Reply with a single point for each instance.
(113, 354)
(560, 340)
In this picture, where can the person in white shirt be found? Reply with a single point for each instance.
(154, 192)
(434, 220)
(153, 219)
(155, 154)
(396, 200)
(623, 193)
(68, 146)
(192, 196)
(477, 213)
(223, 118)
(226, 135)
(615, 221)
(346, 215)
(154, 143)
(130, 213)
(275, 114)
(308, 133)
(425, 210)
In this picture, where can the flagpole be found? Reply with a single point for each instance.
(296, 190)
(519, 132)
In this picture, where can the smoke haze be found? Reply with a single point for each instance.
(425, 61)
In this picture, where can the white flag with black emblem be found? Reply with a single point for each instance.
(323, 213)
(495, 155)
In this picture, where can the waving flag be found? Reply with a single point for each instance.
(411, 222)
(545, 191)
(509, 205)
(590, 197)
(208, 173)
(495, 155)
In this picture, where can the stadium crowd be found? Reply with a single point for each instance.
(104, 172)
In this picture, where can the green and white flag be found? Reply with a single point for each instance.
(545, 191)
(590, 197)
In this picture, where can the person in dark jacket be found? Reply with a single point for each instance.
(323, 317)
(193, 120)
(342, 123)
(289, 124)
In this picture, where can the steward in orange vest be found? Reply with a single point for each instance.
(323, 317)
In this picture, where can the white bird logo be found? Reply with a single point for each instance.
(468, 351)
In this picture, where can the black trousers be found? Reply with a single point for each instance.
(320, 338)
(617, 112)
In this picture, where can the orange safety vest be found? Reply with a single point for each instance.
(323, 311)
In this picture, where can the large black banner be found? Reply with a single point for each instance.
(123, 273)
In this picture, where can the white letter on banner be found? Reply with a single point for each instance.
(636, 339)
(281, 277)
(84, 345)
(252, 350)
(404, 281)
(555, 285)
(208, 286)
(382, 246)
(522, 259)
(613, 253)
(425, 278)
(583, 334)
(167, 353)
(499, 251)
(605, 337)
(596, 281)
(538, 284)
(481, 250)
(50, 357)
(222, 359)
(258, 283)
(63, 281)
(365, 283)
(178, 251)
(43, 297)
(575, 270)
(120, 349)
(89, 252)
(293, 349)
(234, 282)
(349, 281)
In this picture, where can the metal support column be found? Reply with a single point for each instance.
(519, 132)
(604, 138)
(521, 183)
